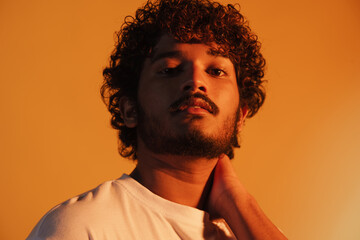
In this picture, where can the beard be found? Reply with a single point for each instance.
(192, 142)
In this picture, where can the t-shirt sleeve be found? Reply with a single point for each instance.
(59, 223)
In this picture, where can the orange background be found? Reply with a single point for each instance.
(300, 155)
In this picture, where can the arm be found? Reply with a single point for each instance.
(230, 200)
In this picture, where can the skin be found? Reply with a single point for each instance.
(207, 184)
(176, 69)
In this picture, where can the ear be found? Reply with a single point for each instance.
(243, 113)
(128, 112)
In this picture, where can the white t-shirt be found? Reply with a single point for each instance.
(124, 209)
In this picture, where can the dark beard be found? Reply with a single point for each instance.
(192, 142)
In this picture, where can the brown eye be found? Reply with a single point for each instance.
(168, 71)
(217, 72)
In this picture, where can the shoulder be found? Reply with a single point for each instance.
(77, 217)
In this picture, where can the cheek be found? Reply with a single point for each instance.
(227, 94)
(157, 94)
(153, 99)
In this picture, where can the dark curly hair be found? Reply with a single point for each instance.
(187, 21)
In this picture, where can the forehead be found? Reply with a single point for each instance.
(170, 47)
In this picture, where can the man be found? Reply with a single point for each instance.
(183, 77)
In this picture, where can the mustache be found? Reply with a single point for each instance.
(187, 99)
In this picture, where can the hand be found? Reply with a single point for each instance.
(229, 199)
(226, 186)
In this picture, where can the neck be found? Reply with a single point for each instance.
(184, 180)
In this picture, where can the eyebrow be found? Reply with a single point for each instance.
(179, 54)
(170, 54)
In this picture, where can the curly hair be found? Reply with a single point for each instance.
(201, 21)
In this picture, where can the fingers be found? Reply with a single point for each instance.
(224, 187)
(224, 166)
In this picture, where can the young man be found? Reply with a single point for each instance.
(183, 77)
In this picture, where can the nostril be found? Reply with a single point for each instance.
(202, 89)
(186, 88)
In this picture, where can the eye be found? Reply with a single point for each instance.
(216, 72)
(170, 71)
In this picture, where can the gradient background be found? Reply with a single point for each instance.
(300, 155)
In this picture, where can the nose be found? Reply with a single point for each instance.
(194, 81)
